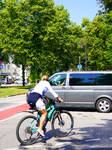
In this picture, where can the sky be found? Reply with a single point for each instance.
(79, 9)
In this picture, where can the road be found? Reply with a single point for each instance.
(92, 130)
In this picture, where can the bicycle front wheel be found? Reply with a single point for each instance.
(62, 123)
(26, 131)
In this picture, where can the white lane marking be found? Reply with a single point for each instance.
(30, 146)
(89, 140)
(65, 143)
(11, 149)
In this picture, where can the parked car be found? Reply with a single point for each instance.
(19, 81)
(3, 81)
(83, 89)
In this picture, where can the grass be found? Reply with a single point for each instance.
(8, 91)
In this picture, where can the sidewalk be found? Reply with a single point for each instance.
(9, 106)
(12, 101)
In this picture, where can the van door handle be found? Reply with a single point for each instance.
(71, 88)
(63, 88)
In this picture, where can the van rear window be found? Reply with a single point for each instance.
(81, 79)
(102, 79)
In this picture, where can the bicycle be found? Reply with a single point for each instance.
(61, 122)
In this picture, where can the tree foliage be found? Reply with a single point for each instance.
(40, 35)
(106, 5)
(99, 33)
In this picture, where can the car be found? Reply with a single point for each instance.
(83, 89)
(19, 81)
(3, 81)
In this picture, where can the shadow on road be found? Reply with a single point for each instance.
(97, 137)
(86, 109)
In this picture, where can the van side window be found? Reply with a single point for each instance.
(81, 79)
(58, 80)
(102, 79)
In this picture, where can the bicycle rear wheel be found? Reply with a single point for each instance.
(26, 131)
(62, 123)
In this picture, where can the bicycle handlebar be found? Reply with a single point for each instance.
(52, 101)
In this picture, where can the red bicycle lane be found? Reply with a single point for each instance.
(4, 114)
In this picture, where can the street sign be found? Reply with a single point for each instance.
(79, 66)
(1, 66)
(0, 62)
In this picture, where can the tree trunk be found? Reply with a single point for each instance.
(23, 74)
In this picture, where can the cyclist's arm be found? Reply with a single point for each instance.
(53, 93)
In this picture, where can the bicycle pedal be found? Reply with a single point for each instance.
(44, 130)
(39, 135)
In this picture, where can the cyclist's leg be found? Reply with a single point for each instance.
(43, 118)
(40, 105)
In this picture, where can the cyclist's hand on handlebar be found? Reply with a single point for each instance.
(60, 100)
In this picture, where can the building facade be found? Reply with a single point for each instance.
(11, 71)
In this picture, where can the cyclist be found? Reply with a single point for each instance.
(35, 98)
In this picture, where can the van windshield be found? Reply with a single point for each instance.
(58, 80)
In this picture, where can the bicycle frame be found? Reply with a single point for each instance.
(50, 111)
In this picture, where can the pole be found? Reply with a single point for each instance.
(79, 61)
(86, 56)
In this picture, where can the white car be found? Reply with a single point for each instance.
(19, 81)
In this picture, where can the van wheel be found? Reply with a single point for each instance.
(104, 105)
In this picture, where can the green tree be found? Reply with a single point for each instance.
(39, 34)
(15, 35)
(1, 4)
(61, 40)
(3, 56)
(106, 5)
(99, 43)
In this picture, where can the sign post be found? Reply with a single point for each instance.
(79, 66)
(1, 67)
